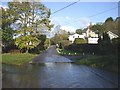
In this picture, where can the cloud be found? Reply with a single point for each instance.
(71, 24)
(84, 22)
(68, 18)
(61, 20)
(3, 6)
(68, 28)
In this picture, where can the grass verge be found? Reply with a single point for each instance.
(17, 59)
(66, 52)
(98, 61)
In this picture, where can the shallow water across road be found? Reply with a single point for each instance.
(53, 75)
(46, 73)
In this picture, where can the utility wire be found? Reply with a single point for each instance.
(66, 7)
(94, 15)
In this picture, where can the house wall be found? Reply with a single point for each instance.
(72, 37)
(93, 40)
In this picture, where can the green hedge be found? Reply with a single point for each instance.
(80, 41)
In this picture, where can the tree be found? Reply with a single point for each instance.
(7, 30)
(31, 18)
(79, 31)
(61, 39)
(27, 42)
(105, 44)
(109, 24)
(98, 28)
(110, 19)
(117, 23)
(46, 43)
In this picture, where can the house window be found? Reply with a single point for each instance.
(78, 36)
(73, 37)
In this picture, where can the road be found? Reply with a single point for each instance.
(50, 55)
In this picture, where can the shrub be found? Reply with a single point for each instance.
(79, 41)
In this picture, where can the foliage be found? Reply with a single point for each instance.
(83, 48)
(64, 43)
(105, 44)
(66, 52)
(47, 43)
(42, 38)
(27, 42)
(109, 62)
(110, 19)
(98, 28)
(116, 41)
(61, 39)
(56, 39)
(31, 18)
(7, 31)
(108, 25)
(79, 41)
(79, 31)
(16, 59)
(60, 45)
(40, 47)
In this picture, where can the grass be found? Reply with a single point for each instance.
(17, 59)
(66, 52)
(98, 61)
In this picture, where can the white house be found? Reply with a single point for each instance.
(72, 37)
(112, 35)
(91, 36)
(90, 33)
(93, 40)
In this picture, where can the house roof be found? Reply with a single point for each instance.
(115, 32)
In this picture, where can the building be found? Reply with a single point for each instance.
(90, 33)
(72, 37)
(113, 34)
(93, 40)
(91, 36)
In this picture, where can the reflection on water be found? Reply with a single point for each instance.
(51, 75)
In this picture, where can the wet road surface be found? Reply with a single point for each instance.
(50, 55)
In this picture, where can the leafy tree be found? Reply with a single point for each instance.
(7, 30)
(27, 42)
(109, 24)
(41, 44)
(79, 31)
(31, 18)
(110, 19)
(98, 28)
(105, 44)
(64, 43)
(46, 43)
(117, 23)
(61, 39)
(56, 39)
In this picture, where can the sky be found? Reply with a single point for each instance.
(80, 14)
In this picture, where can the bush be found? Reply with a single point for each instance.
(64, 43)
(79, 41)
(86, 48)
